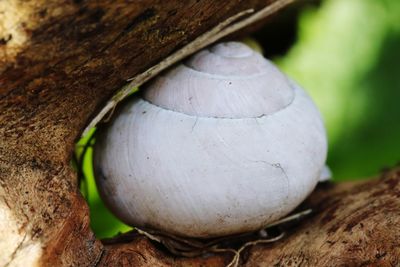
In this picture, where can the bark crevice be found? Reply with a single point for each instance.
(74, 57)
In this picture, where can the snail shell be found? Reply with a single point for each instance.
(221, 144)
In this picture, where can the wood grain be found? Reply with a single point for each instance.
(60, 62)
(353, 224)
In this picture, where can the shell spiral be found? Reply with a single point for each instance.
(220, 144)
(229, 80)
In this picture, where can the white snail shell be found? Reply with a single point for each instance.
(221, 144)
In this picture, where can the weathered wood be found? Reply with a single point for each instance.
(60, 61)
(353, 224)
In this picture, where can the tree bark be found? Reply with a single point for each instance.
(352, 224)
(60, 61)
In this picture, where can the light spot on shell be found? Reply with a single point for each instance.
(232, 50)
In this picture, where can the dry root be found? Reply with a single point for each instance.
(236, 244)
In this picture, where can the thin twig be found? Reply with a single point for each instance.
(221, 30)
(192, 247)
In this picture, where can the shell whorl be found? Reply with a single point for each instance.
(187, 174)
(228, 80)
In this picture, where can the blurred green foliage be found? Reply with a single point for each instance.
(348, 58)
(102, 221)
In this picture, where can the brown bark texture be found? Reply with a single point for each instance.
(352, 224)
(60, 62)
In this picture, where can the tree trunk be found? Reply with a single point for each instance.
(61, 61)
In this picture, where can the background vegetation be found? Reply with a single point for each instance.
(346, 54)
(348, 58)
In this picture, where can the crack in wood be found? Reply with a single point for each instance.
(13, 255)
